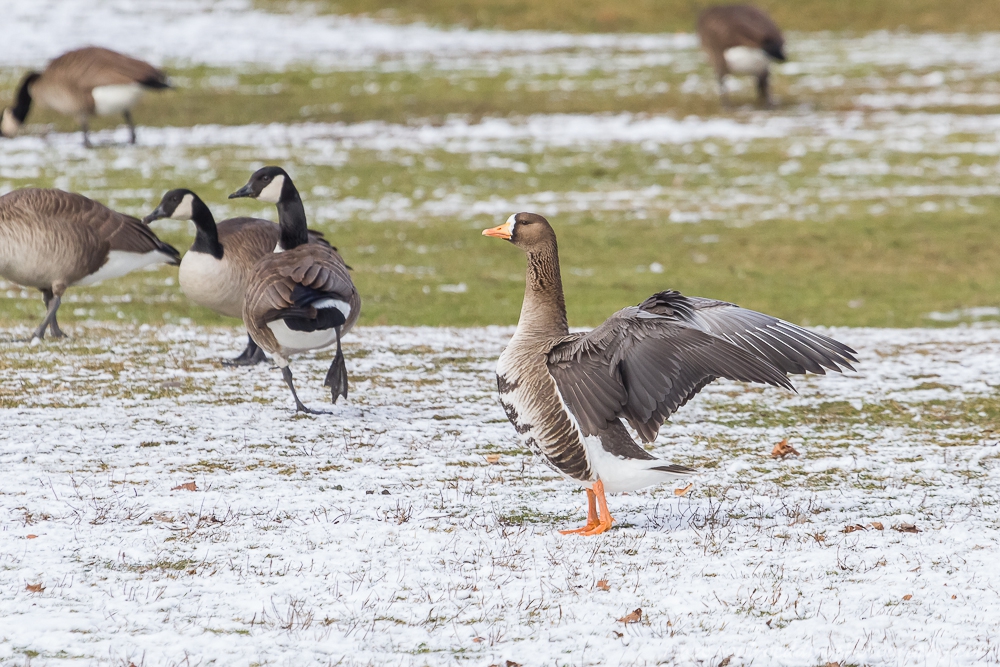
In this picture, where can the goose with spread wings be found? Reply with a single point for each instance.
(566, 393)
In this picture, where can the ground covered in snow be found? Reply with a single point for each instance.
(159, 509)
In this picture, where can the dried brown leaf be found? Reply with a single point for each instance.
(493, 458)
(617, 634)
(634, 617)
(725, 661)
(603, 585)
(783, 449)
(478, 640)
(189, 486)
(34, 588)
(681, 492)
(852, 529)
(31, 537)
(954, 597)
(906, 528)
(511, 663)
(877, 525)
(907, 597)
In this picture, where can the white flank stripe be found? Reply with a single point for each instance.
(121, 262)
(300, 341)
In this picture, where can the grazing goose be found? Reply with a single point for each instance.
(566, 393)
(217, 266)
(741, 39)
(84, 83)
(300, 297)
(51, 240)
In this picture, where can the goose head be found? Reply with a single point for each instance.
(13, 117)
(179, 204)
(270, 184)
(525, 230)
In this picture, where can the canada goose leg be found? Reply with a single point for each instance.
(54, 324)
(592, 520)
(763, 90)
(50, 317)
(723, 95)
(604, 518)
(251, 355)
(131, 126)
(286, 373)
(336, 377)
(86, 133)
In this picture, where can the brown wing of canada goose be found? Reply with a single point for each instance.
(93, 66)
(122, 232)
(286, 284)
(723, 27)
(246, 240)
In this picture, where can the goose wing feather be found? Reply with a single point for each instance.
(644, 365)
(93, 66)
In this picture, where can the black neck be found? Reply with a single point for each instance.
(292, 218)
(206, 238)
(23, 103)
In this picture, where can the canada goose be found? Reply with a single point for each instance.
(84, 83)
(300, 297)
(741, 39)
(215, 269)
(51, 240)
(566, 393)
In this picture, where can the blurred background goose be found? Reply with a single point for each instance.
(300, 297)
(84, 83)
(741, 39)
(52, 240)
(215, 269)
(566, 393)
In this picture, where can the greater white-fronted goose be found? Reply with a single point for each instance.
(215, 269)
(52, 240)
(741, 39)
(301, 296)
(87, 82)
(566, 393)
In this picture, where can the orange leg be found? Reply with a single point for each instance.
(592, 520)
(599, 516)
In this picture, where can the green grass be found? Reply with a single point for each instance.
(666, 15)
(802, 245)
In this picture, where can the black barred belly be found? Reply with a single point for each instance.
(551, 433)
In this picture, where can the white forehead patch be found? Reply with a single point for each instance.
(272, 193)
(511, 221)
(184, 210)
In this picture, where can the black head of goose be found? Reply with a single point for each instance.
(83, 83)
(566, 394)
(217, 266)
(52, 240)
(742, 40)
(300, 297)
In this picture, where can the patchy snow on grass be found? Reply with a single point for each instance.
(160, 509)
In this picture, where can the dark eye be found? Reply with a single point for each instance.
(265, 178)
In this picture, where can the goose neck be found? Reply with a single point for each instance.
(206, 237)
(543, 312)
(292, 220)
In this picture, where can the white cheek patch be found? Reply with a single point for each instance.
(272, 193)
(9, 126)
(184, 210)
(511, 222)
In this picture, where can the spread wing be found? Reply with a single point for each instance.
(643, 365)
(788, 346)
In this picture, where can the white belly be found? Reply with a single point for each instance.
(121, 262)
(212, 283)
(116, 99)
(746, 60)
(623, 474)
(300, 341)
